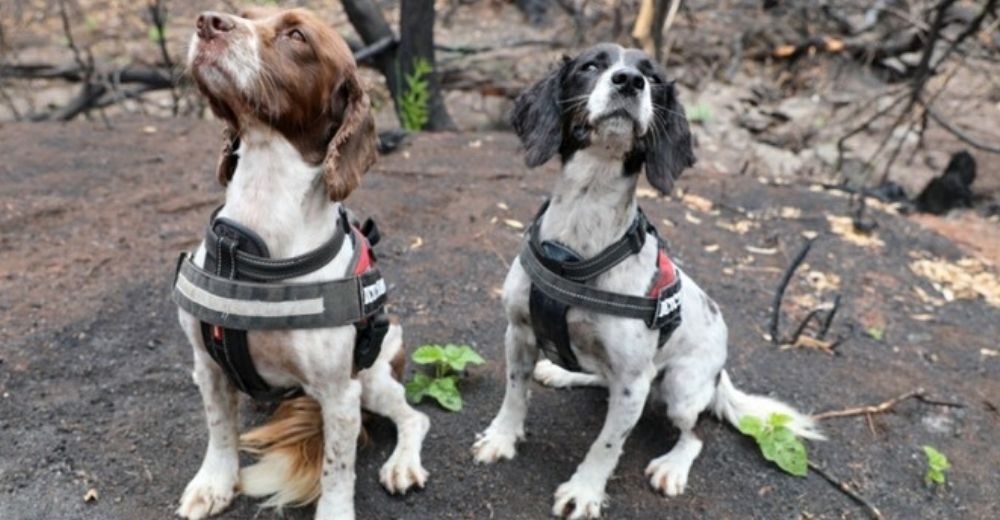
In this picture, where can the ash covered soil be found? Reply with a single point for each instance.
(94, 372)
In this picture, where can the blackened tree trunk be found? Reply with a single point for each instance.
(416, 42)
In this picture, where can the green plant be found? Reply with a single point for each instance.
(413, 104)
(777, 443)
(443, 386)
(700, 113)
(876, 333)
(155, 34)
(937, 464)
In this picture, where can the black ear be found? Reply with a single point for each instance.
(537, 117)
(668, 140)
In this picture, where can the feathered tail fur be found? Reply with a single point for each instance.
(732, 404)
(289, 446)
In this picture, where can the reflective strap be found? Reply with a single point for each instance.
(256, 306)
(579, 295)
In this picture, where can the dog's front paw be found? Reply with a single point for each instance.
(401, 472)
(493, 445)
(208, 493)
(669, 475)
(578, 499)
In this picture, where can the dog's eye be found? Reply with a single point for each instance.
(297, 35)
(589, 67)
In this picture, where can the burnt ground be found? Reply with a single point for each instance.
(94, 372)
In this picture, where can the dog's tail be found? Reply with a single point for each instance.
(289, 447)
(732, 404)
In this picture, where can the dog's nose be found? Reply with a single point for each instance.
(211, 24)
(628, 81)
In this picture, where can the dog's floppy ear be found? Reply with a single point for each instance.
(352, 150)
(537, 117)
(668, 141)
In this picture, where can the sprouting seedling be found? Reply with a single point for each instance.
(777, 443)
(937, 464)
(414, 102)
(700, 113)
(448, 362)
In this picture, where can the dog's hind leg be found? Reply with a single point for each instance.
(687, 392)
(214, 486)
(555, 376)
(384, 395)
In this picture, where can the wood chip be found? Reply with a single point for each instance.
(90, 495)
(417, 243)
(516, 224)
(767, 251)
(711, 248)
(691, 218)
(988, 352)
(844, 228)
(696, 202)
(965, 279)
(646, 193)
(503, 206)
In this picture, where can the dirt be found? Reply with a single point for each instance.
(95, 391)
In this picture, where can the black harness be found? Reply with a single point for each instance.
(241, 288)
(560, 277)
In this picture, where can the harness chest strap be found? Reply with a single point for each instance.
(654, 311)
(242, 289)
(559, 281)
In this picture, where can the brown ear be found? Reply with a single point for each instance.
(352, 150)
(227, 161)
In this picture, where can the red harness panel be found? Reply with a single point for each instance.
(665, 277)
(365, 260)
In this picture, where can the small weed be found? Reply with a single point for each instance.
(155, 34)
(413, 104)
(700, 113)
(777, 443)
(448, 361)
(876, 333)
(937, 464)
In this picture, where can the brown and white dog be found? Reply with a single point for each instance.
(287, 87)
(608, 113)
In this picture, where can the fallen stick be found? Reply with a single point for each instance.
(886, 406)
(844, 488)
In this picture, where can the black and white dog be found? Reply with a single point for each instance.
(607, 113)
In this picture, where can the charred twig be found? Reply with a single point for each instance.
(158, 14)
(845, 488)
(960, 135)
(829, 318)
(885, 406)
(782, 286)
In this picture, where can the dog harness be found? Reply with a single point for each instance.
(560, 278)
(241, 288)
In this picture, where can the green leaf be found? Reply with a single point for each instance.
(778, 420)
(459, 356)
(750, 425)
(937, 464)
(777, 443)
(700, 113)
(428, 355)
(417, 387)
(788, 452)
(876, 333)
(445, 391)
(155, 34)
